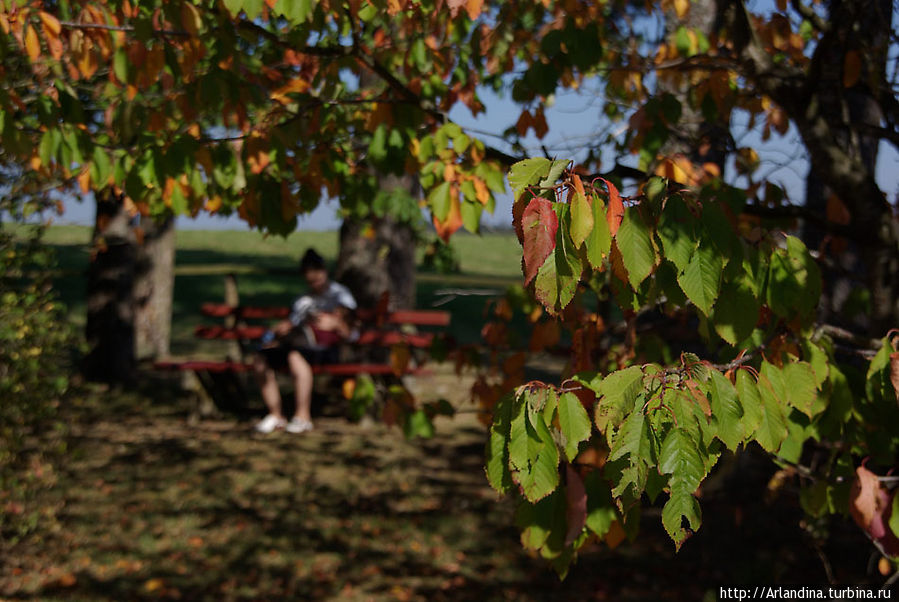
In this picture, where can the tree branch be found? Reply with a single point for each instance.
(809, 14)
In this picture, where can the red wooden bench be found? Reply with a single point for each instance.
(379, 331)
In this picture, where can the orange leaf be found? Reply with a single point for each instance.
(616, 209)
(681, 7)
(32, 44)
(399, 359)
(852, 68)
(867, 502)
(256, 155)
(615, 535)
(474, 7)
(51, 23)
(481, 191)
(84, 180)
(453, 219)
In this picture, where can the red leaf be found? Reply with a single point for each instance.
(867, 502)
(575, 504)
(539, 224)
(616, 208)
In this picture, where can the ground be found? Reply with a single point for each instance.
(133, 498)
(152, 504)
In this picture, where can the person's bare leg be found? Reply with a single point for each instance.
(302, 379)
(268, 386)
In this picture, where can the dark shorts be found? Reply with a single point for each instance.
(276, 357)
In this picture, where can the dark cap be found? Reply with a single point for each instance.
(311, 260)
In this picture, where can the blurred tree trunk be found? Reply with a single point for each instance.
(868, 260)
(377, 254)
(110, 295)
(153, 288)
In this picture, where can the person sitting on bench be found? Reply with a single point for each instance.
(318, 321)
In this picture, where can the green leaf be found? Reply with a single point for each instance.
(533, 455)
(233, 6)
(377, 148)
(418, 424)
(471, 216)
(632, 438)
(440, 200)
(773, 429)
(894, 516)
(616, 396)
(681, 506)
(680, 458)
(295, 11)
(581, 219)
(555, 170)
(599, 242)
(801, 387)
(794, 281)
(677, 231)
(701, 279)
(120, 65)
(600, 508)
(635, 243)
(558, 277)
(528, 172)
(497, 465)
(574, 423)
(736, 311)
(726, 410)
(750, 400)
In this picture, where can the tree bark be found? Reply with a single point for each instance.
(110, 296)
(153, 289)
(377, 255)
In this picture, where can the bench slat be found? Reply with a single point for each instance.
(368, 337)
(414, 317)
(229, 366)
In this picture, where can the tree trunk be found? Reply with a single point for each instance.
(872, 256)
(110, 296)
(377, 255)
(153, 288)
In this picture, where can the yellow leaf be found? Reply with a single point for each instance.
(152, 585)
(190, 18)
(297, 85)
(681, 7)
(213, 204)
(349, 388)
(399, 359)
(852, 68)
(32, 44)
(50, 22)
(84, 180)
(473, 7)
(481, 191)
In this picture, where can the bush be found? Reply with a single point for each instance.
(36, 346)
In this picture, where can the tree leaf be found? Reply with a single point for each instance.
(773, 428)
(599, 242)
(681, 506)
(497, 465)
(794, 281)
(726, 410)
(616, 208)
(600, 508)
(635, 243)
(574, 423)
(32, 43)
(680, 458)
(539, 225)
(581, 219)
(633, 438)
(751, 402)
(677, 231)
(616, 396)
(528, 172)
(575, 505)
(439, 200)
(736, 311)
(801, 387)
(701, 279)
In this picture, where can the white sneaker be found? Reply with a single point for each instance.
(298, 425)
(270, 423)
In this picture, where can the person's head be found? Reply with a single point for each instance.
(312, 267)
